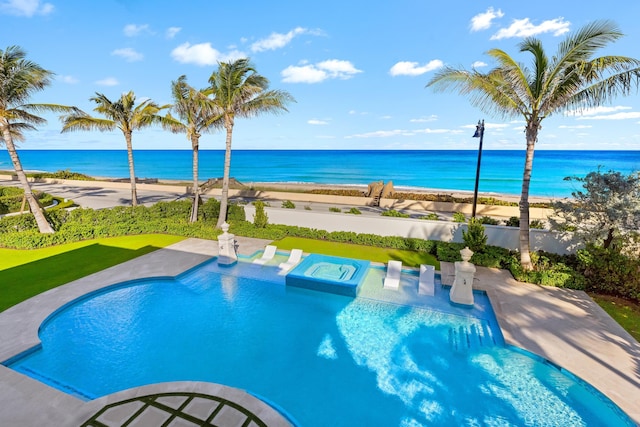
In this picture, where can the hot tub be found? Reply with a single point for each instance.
(329, 274)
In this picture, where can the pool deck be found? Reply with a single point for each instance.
(563, 326)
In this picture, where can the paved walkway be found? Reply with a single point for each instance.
(566, 327)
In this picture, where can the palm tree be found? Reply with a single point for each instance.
(239, 91)
(572, 79)
(121, 114)
(19, 79)
(197, 113)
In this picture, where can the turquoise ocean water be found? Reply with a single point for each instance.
(446, 170)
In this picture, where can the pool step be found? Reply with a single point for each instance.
(473, 337)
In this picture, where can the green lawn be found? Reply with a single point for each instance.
(25, 273)
(383, 255)
(622, 311)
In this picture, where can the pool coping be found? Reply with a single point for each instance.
(563, 326)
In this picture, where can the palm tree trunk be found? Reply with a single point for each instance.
(224, 200)
(532, 136)
(41, 221)
(196, 184)
(132, 173)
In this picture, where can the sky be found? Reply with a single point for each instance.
(357, 69)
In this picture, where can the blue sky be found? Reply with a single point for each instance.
(357, 69)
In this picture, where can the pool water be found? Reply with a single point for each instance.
(325, 359)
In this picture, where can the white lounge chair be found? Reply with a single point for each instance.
(294, 258)
(267, 255)
(426, 284)
(394, 270)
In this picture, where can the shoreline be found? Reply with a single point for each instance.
(418, 190)
(307, 186)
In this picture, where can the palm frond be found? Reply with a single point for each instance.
(73, 123)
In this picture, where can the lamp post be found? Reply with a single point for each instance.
(479, 134)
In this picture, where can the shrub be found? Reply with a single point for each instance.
(536, 223)
(334, 209)
(11, 199)
(210, 210)
(514, 221)
(459, 217)
(288, 204)
(549, 269)
(260, 219)
(474, 237)
(488, 220)
(354, 211)
(449, 252)
(395, 213)
(609, 272)
(62, 174)
(431, 217)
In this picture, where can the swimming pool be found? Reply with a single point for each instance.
(325, 359)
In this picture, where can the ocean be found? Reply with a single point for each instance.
(441, 170)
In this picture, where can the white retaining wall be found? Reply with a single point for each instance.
(506, 237)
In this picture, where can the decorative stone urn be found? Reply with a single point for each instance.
(226, 247)
(462, 289)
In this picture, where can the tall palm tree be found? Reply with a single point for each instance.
(122, 114)
(19, 79)
(572, 79)
(196, 113)
(239, 91)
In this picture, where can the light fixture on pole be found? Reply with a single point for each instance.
(479, 134)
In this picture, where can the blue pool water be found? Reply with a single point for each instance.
(326, 359)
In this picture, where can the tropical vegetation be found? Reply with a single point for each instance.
(121, 114)
(572, 79)
(197, 113)
(20, 78)
(239, 91)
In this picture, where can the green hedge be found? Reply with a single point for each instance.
(609, 272)
(592, 269)
(11, 199)
(21, 231)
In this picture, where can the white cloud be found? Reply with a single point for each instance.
(430, 131)
(130, 55)
(109, 81)
(68, 79)
(431, 118)
(317, 122)
(383, 134)
(401, 132)
(132, 30)
(616, 116)
(172, 32)
(596, 111)
(406, 68)
(496, 126)
(483, 21)
(203, 54)
(575, 127)
(316, 73)
(26, 8)
(479, 64)
(524, 28)
(303, 74)
(277, 40)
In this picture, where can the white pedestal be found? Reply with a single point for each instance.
(462, 289)
(226, 247)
